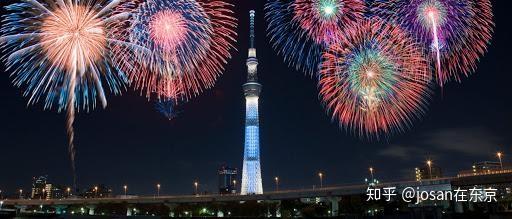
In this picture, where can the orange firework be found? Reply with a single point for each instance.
(73, 38)
(60, 50)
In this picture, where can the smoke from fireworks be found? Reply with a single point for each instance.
(176, 48)
(375, 81)
(456, 32)
(301, 29)
(59, 50)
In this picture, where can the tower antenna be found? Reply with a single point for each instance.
(252, 34)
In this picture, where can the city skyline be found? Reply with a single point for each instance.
(130, 143)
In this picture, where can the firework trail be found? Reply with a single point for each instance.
(176, 48)
(167, 108)
(376, 80)
(59, 51)
(301, 29)
(456, 32)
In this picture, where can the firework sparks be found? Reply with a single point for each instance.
(176, 48)
(376, 80)
(167, 108)
(60, 51)
(301, 29)
(457, 32)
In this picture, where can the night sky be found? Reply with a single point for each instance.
(130, 143)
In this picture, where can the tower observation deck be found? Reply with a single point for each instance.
(251, 172)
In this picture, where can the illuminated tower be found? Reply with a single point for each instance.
(251, 173)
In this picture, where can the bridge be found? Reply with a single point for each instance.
(332, 195)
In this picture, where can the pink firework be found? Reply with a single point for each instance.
(375, 81)
(455, 32)
(176, 48)
(168, 29)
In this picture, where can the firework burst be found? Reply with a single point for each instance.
(59, 50)
(375, 81)
(175, 48)
(456, 32)
(301, 29)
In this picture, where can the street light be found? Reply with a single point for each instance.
(95, 191)
(69, 191)
(371, 173)
(158, 189)
(321, 176)
(21, 193)
(196, 184)
(276, 179)
(234, 184)
(125, 187)
(429, 163)
(42, 194)
(499, 154)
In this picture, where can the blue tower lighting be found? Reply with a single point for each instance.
(251, 172)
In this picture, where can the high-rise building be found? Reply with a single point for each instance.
(251, 172)
(227, 180)
(38, 187)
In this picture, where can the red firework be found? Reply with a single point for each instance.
(375, 81)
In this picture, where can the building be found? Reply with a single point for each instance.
(486, 168)
(227, 180)
(99, 191)
(38, 187)
(54, 191)
(251, 171)
(428, 172)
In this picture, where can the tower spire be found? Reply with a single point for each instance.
(252, 34)
(252, 61)
(251, 173)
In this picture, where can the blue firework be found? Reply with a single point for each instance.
(300, 30)
(167, 108)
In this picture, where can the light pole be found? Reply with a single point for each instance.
(96, 192)
(429, 163)
(276, 179)
(125, 187)
(42, 195)
(21, 193)
(371, 174)
(158, 190)
(196, 184)
(234, 184)
(499, 154)
(69, 191)
(321, 176)
(1, 203)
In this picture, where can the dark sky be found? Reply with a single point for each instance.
(130, 143)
